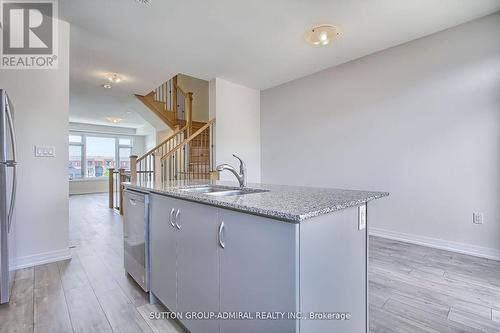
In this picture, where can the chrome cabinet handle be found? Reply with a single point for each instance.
(221, 230)
(171, 217)
(177, 219)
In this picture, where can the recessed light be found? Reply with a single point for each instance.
(106, 86)
(113, 77)
(114, 120)
(322, 35)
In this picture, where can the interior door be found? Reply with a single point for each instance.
(198, 264)
(163, 236)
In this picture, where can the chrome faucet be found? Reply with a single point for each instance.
(241, 176)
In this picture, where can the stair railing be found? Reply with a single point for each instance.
(193, 158)
(147, 168)
(165, 94)
(176, 100)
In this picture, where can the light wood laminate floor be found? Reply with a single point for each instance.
(412, 288)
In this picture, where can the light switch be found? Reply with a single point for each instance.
(477, 218)
(362, 217)
(45, 151)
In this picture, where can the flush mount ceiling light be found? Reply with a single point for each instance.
(113, 77)
(114, 120)
(322, 35)
(106, 86)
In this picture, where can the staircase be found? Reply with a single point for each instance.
(189, 152)
(172, 104)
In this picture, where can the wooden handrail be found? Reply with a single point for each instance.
(162, 143)
(186, 141)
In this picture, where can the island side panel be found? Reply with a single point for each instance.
(333, 263)
(258, 271)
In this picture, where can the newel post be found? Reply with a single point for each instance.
(111, 187)
(157, 168)
(189, 112)
(133, 168)
(121, 176)
(174, 97)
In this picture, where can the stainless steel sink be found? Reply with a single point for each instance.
(228, 193)
(215, 190)
(205, 189)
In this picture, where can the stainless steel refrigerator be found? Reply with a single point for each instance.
(7, 195)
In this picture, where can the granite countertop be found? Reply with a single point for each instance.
(287, 203)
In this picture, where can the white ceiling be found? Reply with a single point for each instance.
(256, 43)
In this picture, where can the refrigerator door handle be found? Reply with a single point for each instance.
(12, 163)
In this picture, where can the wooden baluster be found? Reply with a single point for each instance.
(157, 168)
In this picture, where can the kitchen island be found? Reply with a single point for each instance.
(265, 258)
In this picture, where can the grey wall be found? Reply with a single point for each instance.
(421, 120)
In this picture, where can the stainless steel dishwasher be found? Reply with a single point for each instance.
(136, 236)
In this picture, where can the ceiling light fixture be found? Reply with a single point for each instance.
(113, 77)
(322, 35)
(143, 2)
(114, 120)
(106, 86)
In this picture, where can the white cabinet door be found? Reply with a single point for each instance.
(258, 271)
(163, 238)
(198, 264)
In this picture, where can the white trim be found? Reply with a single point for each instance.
(42, 258)
(473, 250)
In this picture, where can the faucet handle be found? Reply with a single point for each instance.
(242, 164)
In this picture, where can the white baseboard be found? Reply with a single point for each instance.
(473, 250)
(43, 258)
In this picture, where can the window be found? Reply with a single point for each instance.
(92, 155)
(75, 139)
(75, 162)
(100, 156)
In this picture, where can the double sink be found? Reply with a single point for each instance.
(221, 191)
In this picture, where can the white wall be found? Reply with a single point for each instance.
(237, 112)
(88, 186)
(421, 120)
(91, 128)
(199, 88)
(41, 100)
(149, 134)
(163, 135)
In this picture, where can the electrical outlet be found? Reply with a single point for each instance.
(362, 217)
(477, 218)
(45, 151)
